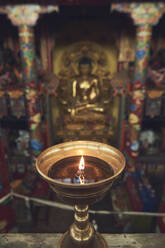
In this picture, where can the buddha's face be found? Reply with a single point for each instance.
(85, 69)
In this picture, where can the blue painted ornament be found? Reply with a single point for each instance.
(134, 146)
(140, 54)
(35, 145)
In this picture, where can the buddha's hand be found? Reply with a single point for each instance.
(73, 112)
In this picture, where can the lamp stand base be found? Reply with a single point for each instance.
(97, 242)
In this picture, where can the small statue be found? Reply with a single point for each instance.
(85, 90)
(150, 142)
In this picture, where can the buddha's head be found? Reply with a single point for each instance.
(85, 66)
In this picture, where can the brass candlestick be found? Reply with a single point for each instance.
(81, 233)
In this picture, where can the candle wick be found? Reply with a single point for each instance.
(82, 178)
(80, 175)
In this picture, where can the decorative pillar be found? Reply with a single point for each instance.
(144, 15)
(43, 51)
(25, 17)
(143, 39)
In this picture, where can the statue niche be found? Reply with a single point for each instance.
(84, 96)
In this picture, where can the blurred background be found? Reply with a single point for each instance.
(40, 106)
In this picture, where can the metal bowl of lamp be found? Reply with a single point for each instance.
(63, 166)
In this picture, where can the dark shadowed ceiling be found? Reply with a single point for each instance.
(72, 2)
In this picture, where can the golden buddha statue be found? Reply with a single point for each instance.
(85, 90)
(84, 104)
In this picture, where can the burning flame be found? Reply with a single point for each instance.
(81, 170)
(81, 164)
